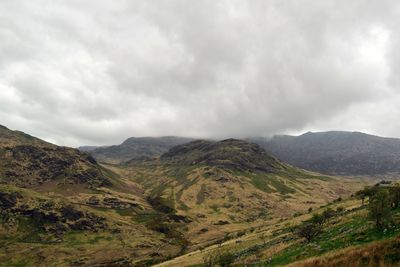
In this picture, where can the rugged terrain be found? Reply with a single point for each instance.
(348, 239)
(337, 153)
(59, 207)
(135, 147)
(225, 186)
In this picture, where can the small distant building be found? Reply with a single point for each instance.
(384, 183)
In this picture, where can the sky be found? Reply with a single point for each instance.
(76, 72)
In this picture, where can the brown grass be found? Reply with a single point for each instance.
(379, 254)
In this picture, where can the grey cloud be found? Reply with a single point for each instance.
(84, 72)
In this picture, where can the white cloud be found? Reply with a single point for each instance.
(83, 72)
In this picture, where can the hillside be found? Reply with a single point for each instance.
(219, 187)
(58, 207)
(337, 153)
(28, 161)
(135, 147)
(347, 238)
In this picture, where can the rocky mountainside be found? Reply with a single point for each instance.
(337, 153)
(135, 147)
(66, 206)
(27, 161)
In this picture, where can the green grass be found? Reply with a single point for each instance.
(124, 212)
(261, 183)
(145, 218)
(356, 231)
(268, 182)
(295, 173)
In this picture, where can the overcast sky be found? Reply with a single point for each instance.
(80, 72)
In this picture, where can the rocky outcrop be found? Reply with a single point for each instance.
(111, 202)
(56, 218)
(26, 165)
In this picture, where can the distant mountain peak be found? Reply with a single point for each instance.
(136, 147)
(337, 152)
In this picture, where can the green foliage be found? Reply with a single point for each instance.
(340, 210)
(356, 231)
(225, 259)
(395, 196)
(309, 231)
(380, 210)
(317, 219)
(368, 191)
(328, 213)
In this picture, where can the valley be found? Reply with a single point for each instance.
(193, 203)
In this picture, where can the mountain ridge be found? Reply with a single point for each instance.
(134, 147)
(337, 152)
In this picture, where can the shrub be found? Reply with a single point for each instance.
(328, 213)
(225, 259)
(368, 191)
(309, 231)
(379, 209)
(339, 210)
(317, 219)
(395, 196)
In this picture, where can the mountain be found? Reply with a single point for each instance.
(337, 153)
(231, 153)
(229, 184)
(27, 161)
(59, 207)
(135, 147)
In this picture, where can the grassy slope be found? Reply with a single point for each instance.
(243, 199)
(344, 238)
(24, 242)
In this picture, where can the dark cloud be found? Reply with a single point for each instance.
(95, 72)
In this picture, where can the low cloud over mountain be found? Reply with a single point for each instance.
(76, 72)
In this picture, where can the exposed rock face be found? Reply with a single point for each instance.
(29, 165)
(27, 161)
(231, 153)
(52, 217)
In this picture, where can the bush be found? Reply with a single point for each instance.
(368, 191)
(340, 210)
(395, 196)
(380, 210)
(225, 259)
(328, 213)
(317, 219)
(309, 231)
